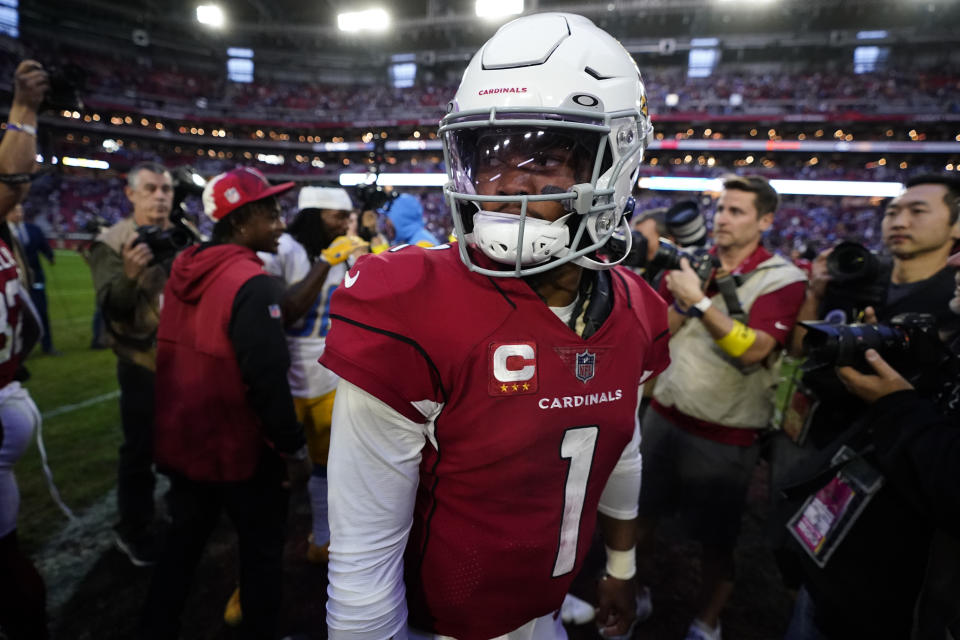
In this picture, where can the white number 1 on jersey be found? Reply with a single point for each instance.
(577, 447)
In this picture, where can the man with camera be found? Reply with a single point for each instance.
(881, 477)
(128, 282)
(919, 229)
(848, 284)
(700, 435)
(909, 439)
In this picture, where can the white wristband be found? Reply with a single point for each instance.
(28, 129)
(622, 565)
(704, 304)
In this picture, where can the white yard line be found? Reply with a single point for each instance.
(67, 408)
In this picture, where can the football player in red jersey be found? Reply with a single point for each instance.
(22, 592)
(487, 408)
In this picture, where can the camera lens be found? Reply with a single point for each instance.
(850, 261)
(844, 345)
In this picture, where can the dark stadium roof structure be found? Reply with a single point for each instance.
(452, 24)
(298, 41)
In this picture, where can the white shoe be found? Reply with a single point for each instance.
(700, 631)
(644, 604)
(576, 611)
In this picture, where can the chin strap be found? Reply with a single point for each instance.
(596, 265)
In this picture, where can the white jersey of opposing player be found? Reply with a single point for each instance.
(305, 337)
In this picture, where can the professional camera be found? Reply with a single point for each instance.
(910, 344)
(685, 223)
(66, 84)
(372, 196)
(858, 278)
(166, 243)
(668, 255)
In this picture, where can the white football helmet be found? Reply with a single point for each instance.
(565, 94)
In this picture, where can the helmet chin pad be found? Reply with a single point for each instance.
(497, 235)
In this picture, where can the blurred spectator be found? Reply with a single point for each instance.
(312, 260)
(128, 283)
(227, 433)
(405, 223)
(34, 243)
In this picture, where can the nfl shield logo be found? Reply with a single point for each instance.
(586, 362)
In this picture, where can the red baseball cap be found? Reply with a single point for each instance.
(231, 190)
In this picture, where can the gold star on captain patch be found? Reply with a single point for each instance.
(516, 388)
(503, 388)
(526, 387)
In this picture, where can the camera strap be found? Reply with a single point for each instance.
(727, 285)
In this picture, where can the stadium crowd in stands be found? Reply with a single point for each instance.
(151, 83)
(68, 202)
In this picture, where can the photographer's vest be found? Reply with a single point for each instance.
(134, 338)
(705, 383)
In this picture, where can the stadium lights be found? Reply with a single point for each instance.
(395, 179)
(210, 15)
(784, 187)
(498, 8)
(369, 20)
(663, 183)
(85, 163)
(270, 158)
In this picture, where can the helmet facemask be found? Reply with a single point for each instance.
(509, 167)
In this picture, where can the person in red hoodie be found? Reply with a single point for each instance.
(226, 431)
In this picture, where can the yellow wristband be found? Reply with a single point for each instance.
(379, 248)
(740, 338)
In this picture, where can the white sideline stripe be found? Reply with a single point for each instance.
(67, 408)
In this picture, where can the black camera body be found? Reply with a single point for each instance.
(66, 84)
(909, 343)
(372, 196)
(166, 243)
(669, 256)
(858, 279)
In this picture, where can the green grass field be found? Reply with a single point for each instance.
(81, 442)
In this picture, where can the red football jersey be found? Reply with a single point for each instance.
(534, 420)
(11, 319)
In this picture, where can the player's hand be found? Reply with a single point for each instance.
(342, 247)
(298, 472)
(871, 388)
(819, 276)
(135, 258)
(685, 285)
(617, 607)
(869, 316)
(30, 84)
